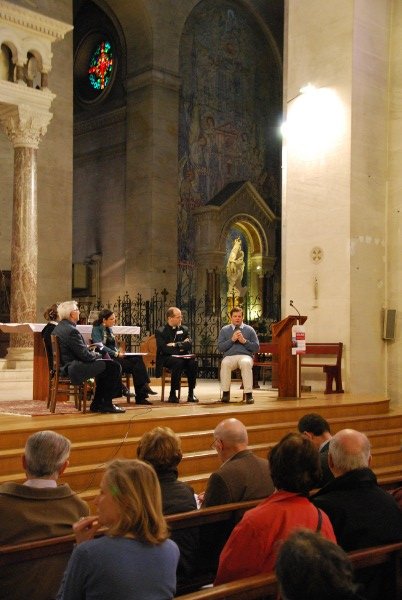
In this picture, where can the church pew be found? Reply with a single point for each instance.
(209, 520)
(266, 585)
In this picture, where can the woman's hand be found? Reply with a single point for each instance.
(86, 528)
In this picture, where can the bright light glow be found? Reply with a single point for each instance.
(309, 88)
(315, 123)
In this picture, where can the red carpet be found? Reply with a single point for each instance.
(35, 408)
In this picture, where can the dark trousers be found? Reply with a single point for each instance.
(178, 366)
(108, 383)
(136, 367)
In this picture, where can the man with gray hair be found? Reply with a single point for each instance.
(80, 363)
(37, 509)
(362, 514)
(242, 475)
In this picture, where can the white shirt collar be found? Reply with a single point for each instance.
(41, 483)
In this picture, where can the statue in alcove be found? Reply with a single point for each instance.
(235, 270)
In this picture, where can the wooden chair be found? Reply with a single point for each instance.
(61, 384)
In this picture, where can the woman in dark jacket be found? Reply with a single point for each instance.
(161, 447)
(102, 334)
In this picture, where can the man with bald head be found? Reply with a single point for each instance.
(242, 475)
(361, 513)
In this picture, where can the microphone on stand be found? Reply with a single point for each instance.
(293, 306)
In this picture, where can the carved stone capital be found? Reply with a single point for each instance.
(24, 126)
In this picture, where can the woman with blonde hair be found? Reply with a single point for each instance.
(135, 559)
(161, 447)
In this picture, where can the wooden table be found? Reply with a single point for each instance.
(40, 365)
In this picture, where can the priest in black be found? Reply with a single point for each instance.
(174, 352)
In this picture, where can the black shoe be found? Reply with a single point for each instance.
(148, 390)
(126, 392)
(95, 408)
(226, 397)
(173, 398)
(192, 398)
(143, 401)
(249, 398)
(111, 408)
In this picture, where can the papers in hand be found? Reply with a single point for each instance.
(96, 345)
(183, 355)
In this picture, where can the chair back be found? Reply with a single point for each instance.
(148, 345)
(56, 353)
(49, 357)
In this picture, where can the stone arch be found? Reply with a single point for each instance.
(252, 229)
(10, 39)
(238, 207)
(259, 263)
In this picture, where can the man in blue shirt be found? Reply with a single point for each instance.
(238, 342)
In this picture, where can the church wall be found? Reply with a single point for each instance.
(151, 192)
(368, 194)
(394, 216)
(55, 169)
(316, 197)
(339, 196)
(152, 32)
(99, 175)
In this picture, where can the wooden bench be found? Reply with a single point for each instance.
(266, 585)
(332, 370)
(215, 522)
(253, 587)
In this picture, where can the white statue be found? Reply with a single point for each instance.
(235, 270)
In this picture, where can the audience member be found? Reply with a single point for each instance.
(161, 447)
(134, 365)
(309, 567)
(238, 342)
(315, 427)
(79, 363)
(37, 509)
(251, 548)
(50, 315)
(242, 475)
(174, 352)
(134, 558)
(361, 513)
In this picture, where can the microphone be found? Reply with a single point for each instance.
(293, 306)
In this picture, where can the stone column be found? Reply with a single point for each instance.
(24, 128)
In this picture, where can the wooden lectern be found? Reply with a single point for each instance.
(288, 386)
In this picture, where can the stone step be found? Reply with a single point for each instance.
(15, 376)
(15, 365)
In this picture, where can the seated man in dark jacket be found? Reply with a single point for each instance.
(79, 363)
(362, 514)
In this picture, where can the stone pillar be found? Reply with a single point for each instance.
(24, 129)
